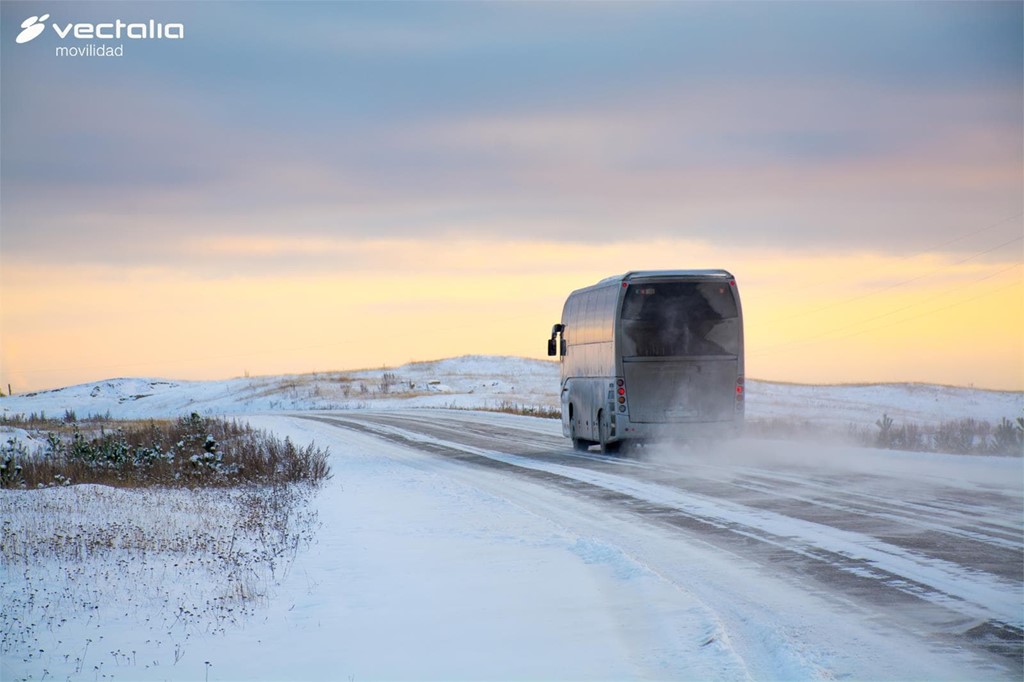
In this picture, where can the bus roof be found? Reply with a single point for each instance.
(684, 274)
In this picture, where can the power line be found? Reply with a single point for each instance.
(821, 337)
(948, 242)
(975, 232)
(937, 310)
(902, 283)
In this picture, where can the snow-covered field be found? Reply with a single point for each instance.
(464, 545)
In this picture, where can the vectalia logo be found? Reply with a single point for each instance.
(119, 29)
(31, 28)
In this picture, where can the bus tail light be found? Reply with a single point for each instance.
(620, 391)
(739, 389)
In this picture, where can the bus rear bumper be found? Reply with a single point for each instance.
(676, 431)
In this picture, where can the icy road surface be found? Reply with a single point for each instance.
(507, 555)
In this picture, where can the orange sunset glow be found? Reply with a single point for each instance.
(855, 318)
(406, 185)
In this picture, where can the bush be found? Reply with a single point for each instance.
(885, 431)
(1008, 437)
(387, 381)
(192, 451)
(959, 436)
(10, 468)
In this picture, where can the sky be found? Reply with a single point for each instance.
(310, 186)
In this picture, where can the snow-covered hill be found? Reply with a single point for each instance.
(489, 382)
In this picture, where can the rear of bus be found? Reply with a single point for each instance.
(679, 342)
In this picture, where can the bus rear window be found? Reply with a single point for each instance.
(664, 319)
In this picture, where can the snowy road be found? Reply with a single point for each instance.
(762, 560)
(459, 545)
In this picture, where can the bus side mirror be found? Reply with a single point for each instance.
(552, 347)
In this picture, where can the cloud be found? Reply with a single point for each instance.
(663, 121)
(809, 169)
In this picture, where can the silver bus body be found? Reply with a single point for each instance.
(650, 355)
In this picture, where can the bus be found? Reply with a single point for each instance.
(649, 355)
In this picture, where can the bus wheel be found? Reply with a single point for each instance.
(608, 446)
(577, 443)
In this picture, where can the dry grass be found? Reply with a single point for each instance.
(508, 407)
(192, 451)
(958, 436)
(85, 560)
